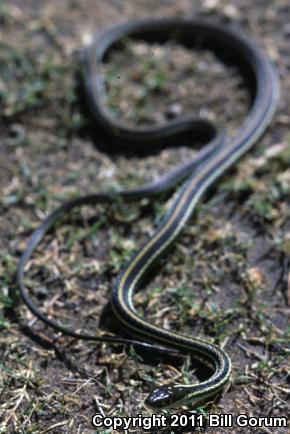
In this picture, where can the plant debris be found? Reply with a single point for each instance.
(226, 278)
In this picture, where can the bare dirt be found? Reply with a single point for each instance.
(227, 277)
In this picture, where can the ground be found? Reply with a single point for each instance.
(227, 277)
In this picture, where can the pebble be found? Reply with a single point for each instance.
(174, 110)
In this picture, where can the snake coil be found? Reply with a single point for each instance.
(197, 175)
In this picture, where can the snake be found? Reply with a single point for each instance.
(193, 178)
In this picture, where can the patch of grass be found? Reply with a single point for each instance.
(121, 252)
(23, 89)
(7, 288)
(80, 234)
(31, 80)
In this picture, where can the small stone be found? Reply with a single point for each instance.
(231, 11)
(255, 276)
(211, 4)
(174, 110)
(17, 132)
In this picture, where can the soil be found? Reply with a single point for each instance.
(227, 278)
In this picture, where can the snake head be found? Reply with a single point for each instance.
(166, 397)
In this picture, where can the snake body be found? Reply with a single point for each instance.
(197, 175)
